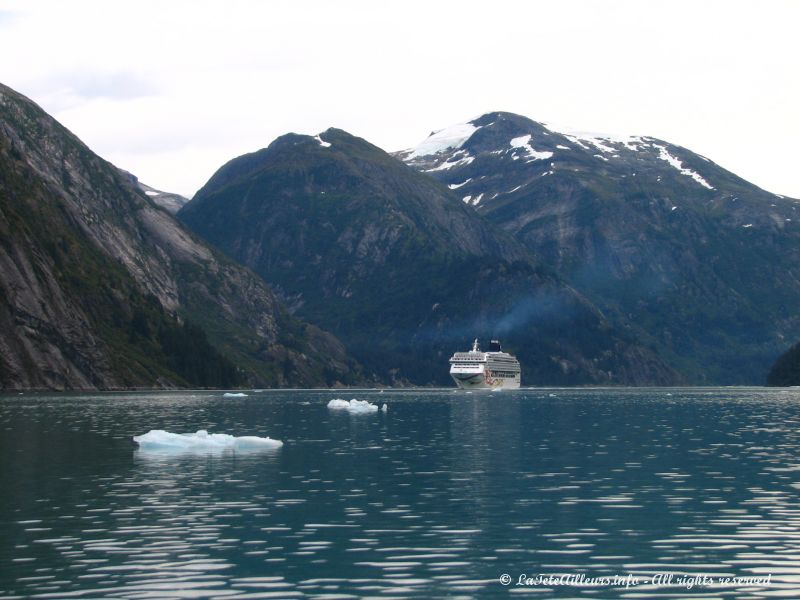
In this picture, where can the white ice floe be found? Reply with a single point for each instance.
(439, 141)
(354, 407)
(234, 395)
(664, 155)
(201, 441)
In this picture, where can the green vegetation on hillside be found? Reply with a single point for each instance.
(399, 269)
(143, 345)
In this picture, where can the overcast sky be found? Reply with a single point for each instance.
(172, 89)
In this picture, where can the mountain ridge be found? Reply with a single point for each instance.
(97, 282)
(650, 231)
(397, 267)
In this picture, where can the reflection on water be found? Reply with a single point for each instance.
(439, 496)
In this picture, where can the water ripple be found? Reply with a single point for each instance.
(437, 497)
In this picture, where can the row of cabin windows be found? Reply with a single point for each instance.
(494, 372)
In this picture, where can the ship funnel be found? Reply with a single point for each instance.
(494, 346)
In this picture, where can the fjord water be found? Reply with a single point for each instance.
(439, 496)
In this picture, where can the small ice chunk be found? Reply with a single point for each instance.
(164, 441)
(234, 395)
(354, 407)
(384, 408)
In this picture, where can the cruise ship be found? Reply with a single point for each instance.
(494, 369)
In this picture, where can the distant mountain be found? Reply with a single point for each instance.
(400, 269)
(100, 288)
(170, 202)
(702, 265)
(785, 371)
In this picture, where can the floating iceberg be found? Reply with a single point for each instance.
(234, 395)
(354, 407)
(163, 441)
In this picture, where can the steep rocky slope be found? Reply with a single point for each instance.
(703, 265)
(100, 288)
(401, 270)
(170, 202)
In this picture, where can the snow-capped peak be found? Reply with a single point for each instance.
(439, 141)
(596, 138)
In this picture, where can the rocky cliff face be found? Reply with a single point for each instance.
(170, 202)
(700, 263)
(401, 270)
(95, 279)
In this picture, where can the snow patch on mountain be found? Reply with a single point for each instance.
(455, 186)
(450, 163)
(664, 155)
(524, 142)
(172, 203)
(322, 143)
(601, 141)
(439, 141)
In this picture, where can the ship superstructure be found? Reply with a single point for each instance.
(494, 369)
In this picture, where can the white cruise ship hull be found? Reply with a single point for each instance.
(480, 381)
(492, 370)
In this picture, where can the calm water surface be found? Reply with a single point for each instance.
(439, 496)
